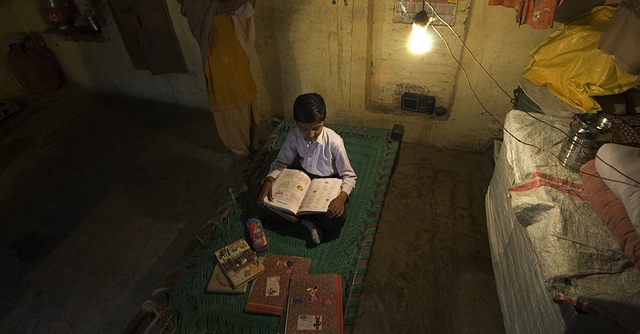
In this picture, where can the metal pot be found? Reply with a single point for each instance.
(588, 133)
(93, 22)
(60, 17)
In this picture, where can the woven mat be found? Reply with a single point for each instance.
(346, 251)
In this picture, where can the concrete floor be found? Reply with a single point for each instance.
(100, 196)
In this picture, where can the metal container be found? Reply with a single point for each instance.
(53, 3)
(588, 133)
(93, 22)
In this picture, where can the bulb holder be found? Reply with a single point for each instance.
(421, 18)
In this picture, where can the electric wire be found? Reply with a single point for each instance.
(465, 47)
(464, 72)
(433, 10)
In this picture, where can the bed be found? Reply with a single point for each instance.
(559, 268)
(181, 304)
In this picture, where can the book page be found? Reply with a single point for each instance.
(321, 192)
(288, 190)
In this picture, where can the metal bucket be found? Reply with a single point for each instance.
(588, 133)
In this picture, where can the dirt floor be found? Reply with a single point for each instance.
(100, 197)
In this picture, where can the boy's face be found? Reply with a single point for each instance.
(310, 131)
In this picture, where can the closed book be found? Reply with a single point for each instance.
(268, 293)
(314, 304)
(238, 263)
(219, 283)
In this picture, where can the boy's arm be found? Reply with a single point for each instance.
(267, 185)
(287, 154)
(336, 207)
(348, 175)
(285, 157)
(343, 166)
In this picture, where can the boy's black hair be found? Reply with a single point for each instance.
(309, 108)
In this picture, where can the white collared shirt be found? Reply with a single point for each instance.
(324, 157)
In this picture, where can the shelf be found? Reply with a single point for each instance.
(76, 34)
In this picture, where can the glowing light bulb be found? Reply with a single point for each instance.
(419, 41)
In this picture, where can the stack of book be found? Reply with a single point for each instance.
(282, 286)
(237, 265)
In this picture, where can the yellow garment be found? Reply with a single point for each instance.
(238, 129)
(569, 63)
(231, 88)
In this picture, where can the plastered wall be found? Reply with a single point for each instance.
(354, 55)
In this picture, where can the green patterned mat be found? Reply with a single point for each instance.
(193, 310)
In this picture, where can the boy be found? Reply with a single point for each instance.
(322, 154)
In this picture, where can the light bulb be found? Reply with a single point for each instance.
(419, 41)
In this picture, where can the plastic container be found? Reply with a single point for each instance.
(258, 235)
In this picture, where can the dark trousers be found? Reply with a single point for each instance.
(324, 221)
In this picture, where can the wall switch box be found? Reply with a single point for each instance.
(419, 103)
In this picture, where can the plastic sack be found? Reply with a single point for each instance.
(570, 64)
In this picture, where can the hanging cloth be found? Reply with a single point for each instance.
(620, 40)
(536, 13)
(200, 14)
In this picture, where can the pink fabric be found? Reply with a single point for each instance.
(537, 13)
(612, 212)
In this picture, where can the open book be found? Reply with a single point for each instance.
(294, 193)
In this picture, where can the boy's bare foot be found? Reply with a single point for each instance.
(316, 235)
(316, 232)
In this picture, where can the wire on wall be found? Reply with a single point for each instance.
(464, 72)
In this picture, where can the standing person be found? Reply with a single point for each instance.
(225, 32)
(322, 154)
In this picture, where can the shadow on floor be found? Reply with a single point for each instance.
(100, 197)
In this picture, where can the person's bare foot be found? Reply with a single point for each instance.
(316, 232)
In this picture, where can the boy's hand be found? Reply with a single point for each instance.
(265, 191)
(336, 207)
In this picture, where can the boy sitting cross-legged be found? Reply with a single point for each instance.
(322, 154)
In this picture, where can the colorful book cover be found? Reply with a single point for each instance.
(314, 304)
(268, 293)
(219, 283)
(238, 262)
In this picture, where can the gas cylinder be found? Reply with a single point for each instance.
(35, 67)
